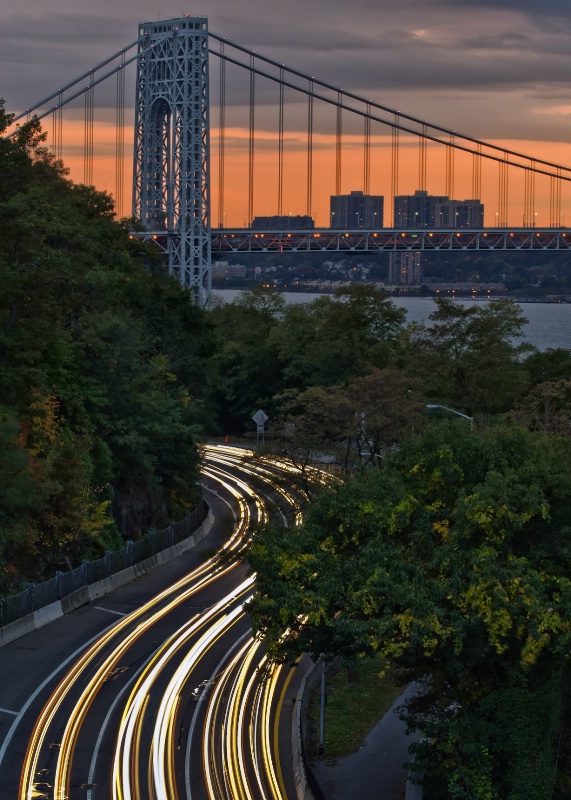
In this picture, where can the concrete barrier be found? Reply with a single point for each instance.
(43, 616)
(302, 790)
(87, 594)
(75, 600)
(20, 627)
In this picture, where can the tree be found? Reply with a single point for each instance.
(546, 408)
(333, 339)
(357, 422)
(452, 562)
(102, 369)
(247, 366)
(469, 356)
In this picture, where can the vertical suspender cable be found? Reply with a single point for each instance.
(422, 160)
(58, 127)
(555, 200)
(120, 138)
(395, 162)
(310, 150)
(88, 135)
(477, 173)
(281, 146)
(221, 137)
(558, 220)
(503, 191)
(529, 192)
(367, 151)
(338, 144)
(251, 142)
(450, 167)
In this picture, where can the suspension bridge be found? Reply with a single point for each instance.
(219, 126)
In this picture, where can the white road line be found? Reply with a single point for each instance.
(110, 611)
(201, 699)
(106, 721)
(7, 711)
(42, 686)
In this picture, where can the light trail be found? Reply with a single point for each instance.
(240, 754)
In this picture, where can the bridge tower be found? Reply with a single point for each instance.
(171, 187)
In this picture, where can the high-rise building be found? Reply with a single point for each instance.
(283, 222)
(405, 268)
(356, 211)
(459, 214)
(422, 210)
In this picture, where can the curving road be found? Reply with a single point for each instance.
(171, 700)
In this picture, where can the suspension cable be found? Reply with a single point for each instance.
(85, 75)
(85, 89)
(429, 137)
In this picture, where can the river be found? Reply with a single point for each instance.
(548, 324)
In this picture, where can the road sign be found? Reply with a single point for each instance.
(260, 417)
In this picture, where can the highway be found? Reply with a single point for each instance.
(172, 699)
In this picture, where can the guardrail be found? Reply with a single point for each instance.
(39, 595)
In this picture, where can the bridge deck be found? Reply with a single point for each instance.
(244, 240)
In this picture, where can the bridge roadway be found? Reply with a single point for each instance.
(244, 240)
(156, 692)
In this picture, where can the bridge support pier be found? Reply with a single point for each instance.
(171, 188)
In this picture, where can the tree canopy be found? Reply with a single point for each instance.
(452, 562)
(102, 372)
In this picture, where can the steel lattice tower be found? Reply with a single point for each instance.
(171, 191)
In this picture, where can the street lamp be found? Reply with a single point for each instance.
(452, 411)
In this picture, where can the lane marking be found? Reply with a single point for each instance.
(110, 611)
(42, 686)
(7, 711)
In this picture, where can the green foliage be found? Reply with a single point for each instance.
(453, 562)
(102, 371)
(469, 357)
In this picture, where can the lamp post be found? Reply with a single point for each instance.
(452, 411)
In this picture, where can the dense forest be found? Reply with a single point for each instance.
(102, 366)
(446, 546)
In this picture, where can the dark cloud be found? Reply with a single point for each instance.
(448, 60)
(553, 8)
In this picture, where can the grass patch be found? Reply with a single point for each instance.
(352, 710)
